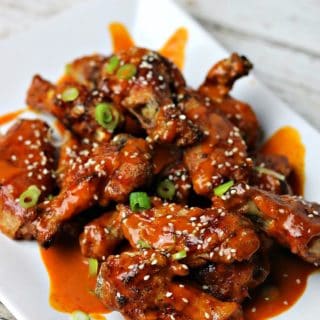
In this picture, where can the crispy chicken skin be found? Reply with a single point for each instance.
(217, 86)
(139, 284)
(221, 155)
(290, 220)
(267, 182)
(148, 94)
(26, 159)
(107, 172)
(102, 236)
(204, 234)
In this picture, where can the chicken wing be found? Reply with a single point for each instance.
(26, 159)
(139, 284)
(217, 86)
(98, 174)
(102, 236)
(145, 83)
(222, 154)
(290, 220)
(197, 235)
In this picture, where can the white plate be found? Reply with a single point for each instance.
(47, 47)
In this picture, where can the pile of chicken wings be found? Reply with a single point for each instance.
(187, 208)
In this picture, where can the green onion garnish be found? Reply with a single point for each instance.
(70, 94)
(112, 64)
(107, 116)
(93, 267)
(29, 198)
(139, 201)
(270, 172)
(143, 244)
(179, 255)
(79, 315)
(127, 71)
(166, 189)
(68, 69)
(223, 188)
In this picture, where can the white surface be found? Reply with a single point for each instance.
(46, 49)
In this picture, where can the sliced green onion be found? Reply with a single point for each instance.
(166, 189)
(270, 172)
(68, 69)
(112, 64)
(223, 188)
(70, 94)
(139, 201)
(93, 267)
(127, 71)
(143, 244)
(179, 255)
(29, 198)
(79, 315)
(107, 116)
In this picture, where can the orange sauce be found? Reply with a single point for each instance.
(287, 141)
(60, 127)
(8, 171)
(174, 48)
(120, 37)
(71, 287)
(284, 286)
(10, 116)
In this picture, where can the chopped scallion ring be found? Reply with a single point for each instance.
(270, 172)
(70, 94)
(179, 255)
(223, 188)
(79, 315)
(112, 65)
(166, 189)
(93, 267)
(107, 116)
(127, 71)
(139, 201)
(29, 198)
(143, 244)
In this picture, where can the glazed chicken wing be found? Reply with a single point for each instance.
(222, 154)
(233, 282)
(102, 236)
(217, 86)
(199, 235)
(75, 106)
(270, 173)
(290, 220)
(107, 172)
(144, 82)
(139, 284)
(26, 160)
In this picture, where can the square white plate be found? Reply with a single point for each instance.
(45, 49)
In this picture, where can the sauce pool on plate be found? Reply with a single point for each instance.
(71, 286)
